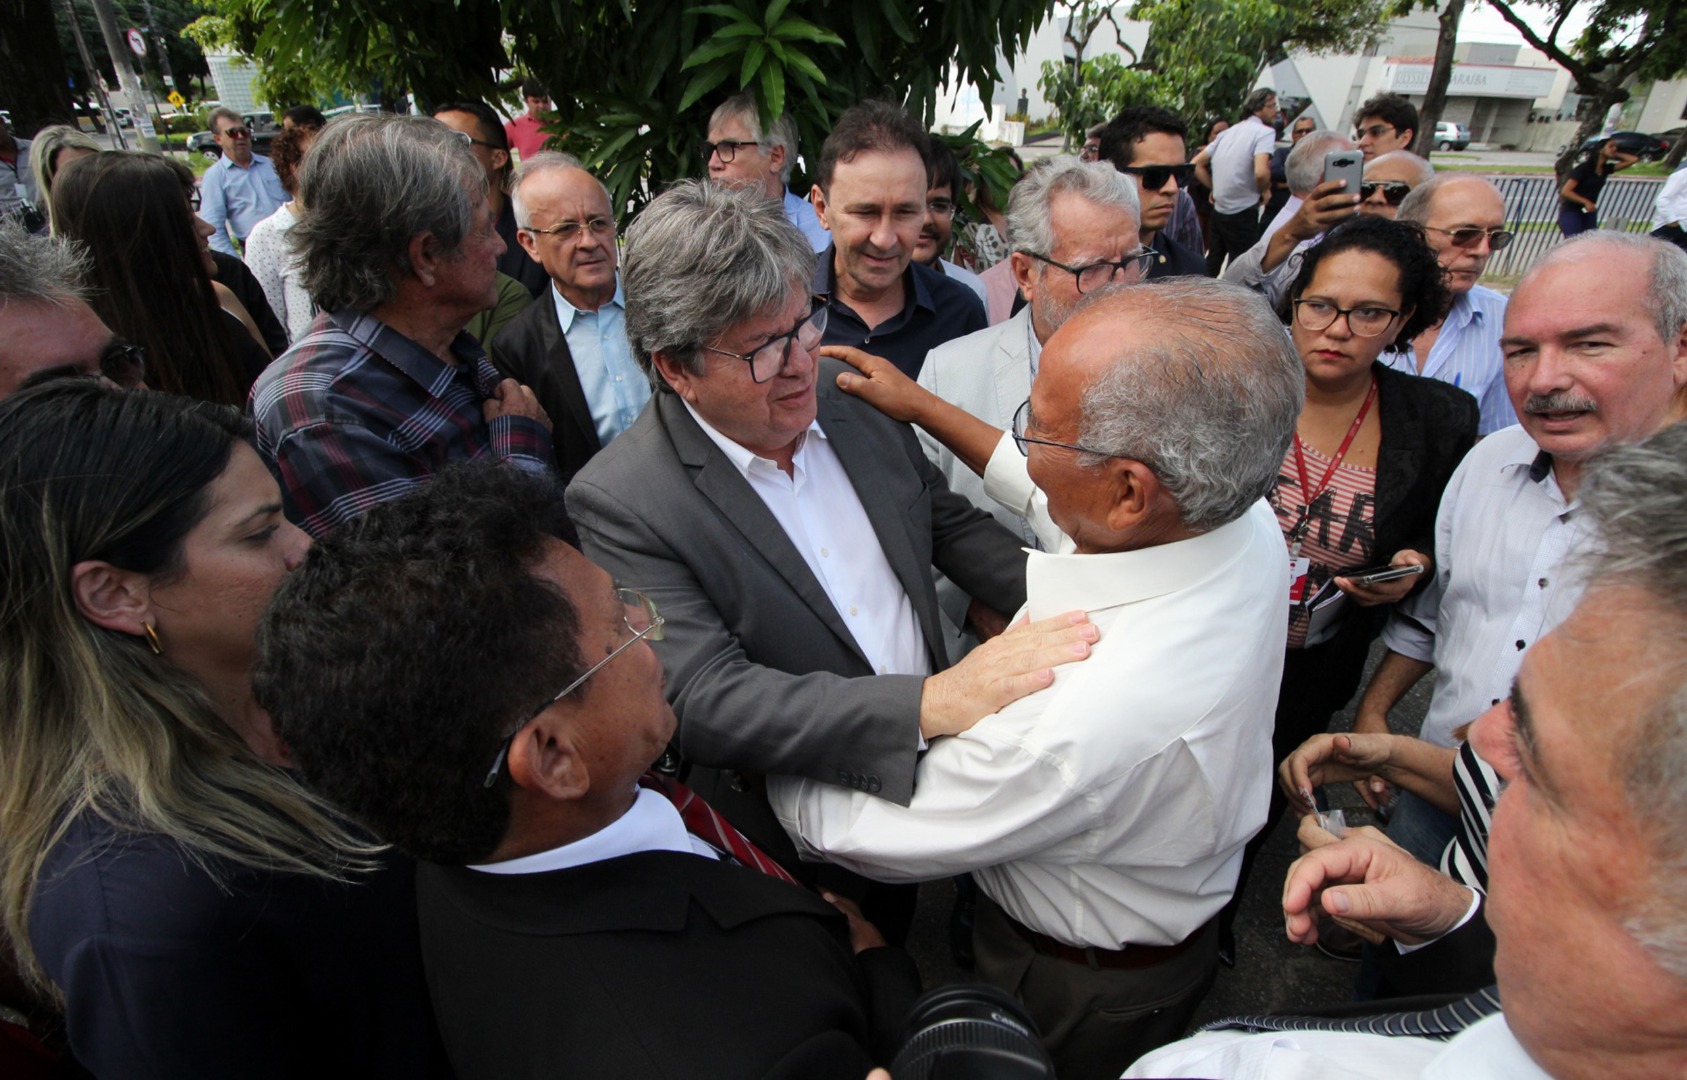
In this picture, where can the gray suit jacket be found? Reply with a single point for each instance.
(762, 672)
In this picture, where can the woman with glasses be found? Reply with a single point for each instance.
(150, 268)
(1361, 482)
(164, 879)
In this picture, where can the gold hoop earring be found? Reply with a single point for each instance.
(152, 641)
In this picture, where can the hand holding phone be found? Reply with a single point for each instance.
(1376, 575)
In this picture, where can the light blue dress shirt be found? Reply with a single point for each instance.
(801, 214)
(615, 388)
(233, 199)
(1467, 354)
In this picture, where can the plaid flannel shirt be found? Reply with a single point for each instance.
(356, 414)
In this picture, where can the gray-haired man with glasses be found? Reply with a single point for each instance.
(571, 345)
(787, 531)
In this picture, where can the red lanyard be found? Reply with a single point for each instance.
(1309, 496)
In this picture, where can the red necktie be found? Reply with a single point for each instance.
(702, 821)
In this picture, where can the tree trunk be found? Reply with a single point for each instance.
(33, 81)
(1435, 95)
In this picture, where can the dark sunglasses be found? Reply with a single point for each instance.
(238, 132)
(1154, 177)
(1394, 191)
(1470, 236)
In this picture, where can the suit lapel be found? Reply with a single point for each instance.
(568, 376)
(1400, 454)
(864, 460)
(1013, 364)
(720, 482)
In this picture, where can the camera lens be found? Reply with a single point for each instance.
(971, 1032)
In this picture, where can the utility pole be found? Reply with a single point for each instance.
(127, 81)
(93, 74)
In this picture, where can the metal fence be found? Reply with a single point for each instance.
(1531, 212)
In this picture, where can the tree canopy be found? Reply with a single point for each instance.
(633, 83)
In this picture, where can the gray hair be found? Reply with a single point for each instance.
(1419, 204)
(700, 258)
(1029, 216)
(1637, 496)
(1207, 397)
(545, 161)
(370, 184)
(1666, 292)
(39, 269)
(783, 134)
(1304, 166)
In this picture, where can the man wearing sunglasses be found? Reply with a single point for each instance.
(575, 908)
(240, 188)
(1147, 144)
(1463, 217)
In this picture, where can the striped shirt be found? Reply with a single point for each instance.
(356, 413)
(1342, 535)
(1466, 857)
(1466, 354)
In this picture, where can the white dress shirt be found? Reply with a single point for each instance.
(1486, 1050)
(1671, 207)
(651, 824)
(1501, 580)
(1111, 807)
(1466, 354)
(822, 515)
(614, 387)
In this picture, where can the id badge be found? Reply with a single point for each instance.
(1298, 568)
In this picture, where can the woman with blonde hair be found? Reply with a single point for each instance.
(194, 910)
(52, 149)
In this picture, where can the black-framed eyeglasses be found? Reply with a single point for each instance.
(1022, 424)
(1376, 131)
(238, 132)
(569, 231)
(1154, 177)
(193, 199)
(1366, 320)
(642, 619)
(472, 141)
(770, 357)
(1095, 275)
(121, 361)
(941, 207)
(726, 148)
(1394, 192)
(1470, 236)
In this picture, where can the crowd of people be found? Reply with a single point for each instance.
(441, 635)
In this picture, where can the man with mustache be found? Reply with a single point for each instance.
(571, 347)
(1595, 351)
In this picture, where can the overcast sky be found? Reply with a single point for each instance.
(1483, 23)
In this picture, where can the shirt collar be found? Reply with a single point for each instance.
(743, 458)
(420, 365)
(1057, 583)
(825, 280)
(651, 824)
(566, 311)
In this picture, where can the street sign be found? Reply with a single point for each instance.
(176, 99)
(137, 42)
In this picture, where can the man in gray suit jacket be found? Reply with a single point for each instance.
(1064, 213)
(786, 530)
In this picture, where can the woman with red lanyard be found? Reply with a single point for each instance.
(1362, 480)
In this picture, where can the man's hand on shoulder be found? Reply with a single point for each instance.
(1003, 670)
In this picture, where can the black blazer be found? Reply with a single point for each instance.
(653, 965)
(1427, 428)
(531, 349)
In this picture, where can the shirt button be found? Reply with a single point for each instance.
(1521, 644)
(1541, 583)
(825, 552)
(852, 609)
(1496, 701)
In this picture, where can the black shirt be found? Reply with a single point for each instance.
(935, 309)
(1174, 259)
(1590, 177)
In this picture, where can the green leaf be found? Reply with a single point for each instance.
(753, 58)
(795, 29)
(724, 11)
(774, 10)
(798, 64)
(898, 20)
(713, 49)
(773, 89)
(702, 83)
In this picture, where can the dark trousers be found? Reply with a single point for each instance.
(1573, 220)
(1095, 1022)
(1231, 235)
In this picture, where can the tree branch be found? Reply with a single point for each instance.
(1584, 76)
